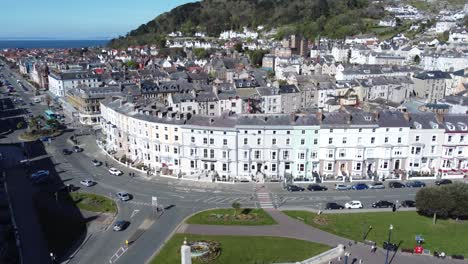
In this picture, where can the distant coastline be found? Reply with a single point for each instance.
(51, 44)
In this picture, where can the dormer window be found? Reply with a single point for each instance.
(450, 126)
(367, 118)
(417, 125)
(462, 126)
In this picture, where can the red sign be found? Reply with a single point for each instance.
(418, 250)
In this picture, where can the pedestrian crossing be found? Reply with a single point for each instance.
(264, 199)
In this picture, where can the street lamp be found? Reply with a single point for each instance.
(388, 242)
(346, 256)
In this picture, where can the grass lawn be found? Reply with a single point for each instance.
(93, 202)
(447, 235)
(246, 216)
(245, 250)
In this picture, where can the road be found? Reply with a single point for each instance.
(147, 230)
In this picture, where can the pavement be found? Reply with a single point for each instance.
(292, 228)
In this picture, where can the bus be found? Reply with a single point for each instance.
(50, 115)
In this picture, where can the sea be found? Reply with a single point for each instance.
(51, 44)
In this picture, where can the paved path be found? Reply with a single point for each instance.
(292, 228)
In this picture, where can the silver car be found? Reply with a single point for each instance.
(123, 196)
(377, 185)
(342, 187)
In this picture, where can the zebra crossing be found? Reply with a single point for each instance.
(264, 199)
(224, 200)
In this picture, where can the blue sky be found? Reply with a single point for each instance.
(78, 19)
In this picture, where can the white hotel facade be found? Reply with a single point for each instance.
(298, 147)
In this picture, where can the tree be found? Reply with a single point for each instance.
(237, 207)
(432, 201)
(53, 124)
(20, 125)
(256, 56)
(131, 64)
(457, 192)
(238, 47)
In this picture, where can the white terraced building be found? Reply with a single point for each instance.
(299, 147)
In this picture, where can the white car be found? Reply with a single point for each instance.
(353, 205)
(115, 172)
(342, 187)
(87, 182)
(123, 196)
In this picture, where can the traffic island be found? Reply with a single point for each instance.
(238, 249)
(92, 202)
(241, 216)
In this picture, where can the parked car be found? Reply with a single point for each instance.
(382, 204)
(295, 188)
(66, 152)
(408, 203)
(442, 182)
(123, 196)
(316, 187)
(40, 173)
(353, 205)
(395, 184)
(377, 185)
(44, 139)
(415, 184)
(360, 186)
(77, 149)
(96, 162)
(120, 225)
(115, 172)
(342, 187)
(87, 183)
(333, 206)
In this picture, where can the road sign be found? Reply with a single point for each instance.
(154, 201)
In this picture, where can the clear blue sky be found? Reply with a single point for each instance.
(77, 19)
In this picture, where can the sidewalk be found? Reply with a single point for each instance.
(291, 228)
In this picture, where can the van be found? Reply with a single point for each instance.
(37, 100)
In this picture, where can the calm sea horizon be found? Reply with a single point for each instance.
(51, 44)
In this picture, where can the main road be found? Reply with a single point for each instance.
(148, 230)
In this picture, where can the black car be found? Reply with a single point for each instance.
(415, 184)
(333, 206)
(442, 182)
(408, 203)
(396, 185)
(120, 225)
(382, 204)
(316, 187)
(66, 152)
(295, 188)
(77, 149)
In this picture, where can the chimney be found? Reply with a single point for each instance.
(293, 118)
(349, 118)
(407, 116)
(319, 116)
(440, 118)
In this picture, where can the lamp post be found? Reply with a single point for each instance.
(388, 242)
(346, 256)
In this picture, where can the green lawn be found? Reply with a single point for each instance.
(245, 250)
(93, 202)
(447, 235)
(245, 216)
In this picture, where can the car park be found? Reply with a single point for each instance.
(77, 149)
(377, 185)
(395, 185)
(353, 205)
(342, 187)
(115, 172)
(443, 182)
(408, 203)
(66, 152)
(333, 206)
(295, 188)
(360, 186)
(87, 182)
(123, 196)
(382, 204)
(96, 162)
(316, 187)
(120, 225)
(415, 184)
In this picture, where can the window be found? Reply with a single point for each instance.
(288, 132)
(301, 156)
(313, 154)
(205, 153)
(385, 165)
(224, 154)
(273, 167)
(302, 141)
(372, 140)
(192, 152)
(345, 140)
(449, 138)
(287, 166)
(434, 138)
(224, 167)
(417, 138)
(358, 166)
(387, 129)
(225, 142)
(176, 162)
(211, 141)
(360, 130)
(433, 148)
(212, 154)
(288, 141)
(165, 128)
(329, 166)
(166, 137)
(330, 140)
(192, 164)
(315, 141)
(273, 155)
(176, 129)
(176, 150)
(359, 140)
(373, 130)
(246, 154)
(416, 150)
(330, 153)
(246, 167)
(386, 139)
(273, 141)
(359, 153)
(176, 138)
(303, 132)
(233, 104)
(316, 131)
(259, 132)
(205, 141)
(300, 167)
(342, 153)
(245, 141)
(285, 155)
(400, 129)
(462, 138)
(259, 141)
(399, 140)
(257, 154)
(212, 106)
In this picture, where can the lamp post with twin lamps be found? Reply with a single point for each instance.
(388, 242)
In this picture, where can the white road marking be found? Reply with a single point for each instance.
(134, 213)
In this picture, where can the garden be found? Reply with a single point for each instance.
(235, 216)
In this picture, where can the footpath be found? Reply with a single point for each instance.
(292, 228)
